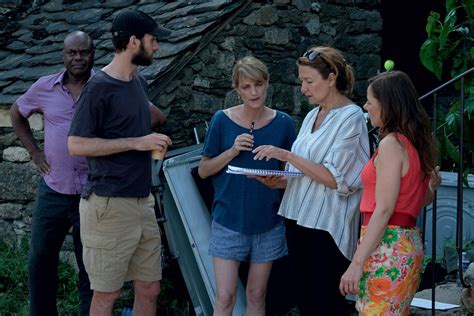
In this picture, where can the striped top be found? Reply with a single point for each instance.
(341, 145)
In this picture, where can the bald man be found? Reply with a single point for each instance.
(63, 176)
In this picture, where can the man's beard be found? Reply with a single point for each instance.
(142, 59)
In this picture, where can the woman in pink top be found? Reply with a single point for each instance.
(398, 181)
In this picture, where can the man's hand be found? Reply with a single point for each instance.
(39, 159)
(153, 141)
(97, 147)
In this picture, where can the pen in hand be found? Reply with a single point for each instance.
(251, 128)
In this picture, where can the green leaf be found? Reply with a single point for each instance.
(448, 27)
(450, 4)
(452, 118)
(429, 57)
(465, 174)
(433, 24)
(451, 150)
(469, 107)
(469, 7)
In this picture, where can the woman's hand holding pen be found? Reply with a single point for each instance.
(242, 142)
(268, 152)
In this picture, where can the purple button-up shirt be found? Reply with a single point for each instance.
(49, 96)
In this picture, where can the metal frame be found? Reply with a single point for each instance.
(460, 186)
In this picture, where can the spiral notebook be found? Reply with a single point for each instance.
(262, 172)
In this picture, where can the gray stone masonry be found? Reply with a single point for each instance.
(191, 77)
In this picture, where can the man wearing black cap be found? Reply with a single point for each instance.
(111, 127)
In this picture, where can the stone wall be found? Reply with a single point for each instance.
(276, 31)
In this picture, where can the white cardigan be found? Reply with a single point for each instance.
(340, 144)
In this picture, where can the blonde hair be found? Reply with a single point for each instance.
(331, 60)
(249, 67)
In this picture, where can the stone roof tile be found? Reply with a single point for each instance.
(213, 5)
(87, 16)
(30, 73)
(8, 99)
(26, 37)
(57, 27)
(37, 49)
(17, 87)
(4, 83)
(152, 8)
(168, 49)
(20, 32)
(118, 4)
(51, 58)
(12, 61)
(17, 46)
(54, 6)
(34, 49)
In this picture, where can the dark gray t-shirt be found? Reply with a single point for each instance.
(110, 108)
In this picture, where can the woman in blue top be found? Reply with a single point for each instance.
(245, 224)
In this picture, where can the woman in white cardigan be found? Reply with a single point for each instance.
(321, 208)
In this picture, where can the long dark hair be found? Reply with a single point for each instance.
(401, 112)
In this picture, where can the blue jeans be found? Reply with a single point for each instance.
(53, 216)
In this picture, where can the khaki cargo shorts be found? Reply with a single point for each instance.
(121, 241)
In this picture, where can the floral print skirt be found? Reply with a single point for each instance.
(391, 275)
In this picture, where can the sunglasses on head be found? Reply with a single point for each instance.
(312, 55)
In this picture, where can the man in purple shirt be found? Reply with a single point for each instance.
(58, 195)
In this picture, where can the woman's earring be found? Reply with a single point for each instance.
(239, 98)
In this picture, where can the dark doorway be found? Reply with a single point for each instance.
(403, 34)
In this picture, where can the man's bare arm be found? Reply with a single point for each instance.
(158, 119)
(96, 147)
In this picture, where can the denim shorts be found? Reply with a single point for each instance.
(263, 247)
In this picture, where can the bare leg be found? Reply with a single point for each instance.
(103, 303)
(146, 295)
(257, 288)
(226, 272)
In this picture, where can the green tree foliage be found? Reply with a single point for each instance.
(448, 52)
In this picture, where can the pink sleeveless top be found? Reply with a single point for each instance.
(412, 186)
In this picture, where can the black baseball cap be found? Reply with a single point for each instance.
(138, 23)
